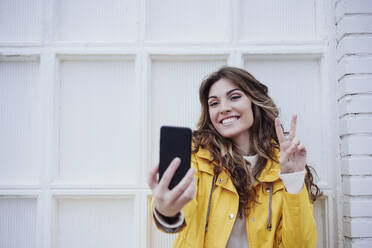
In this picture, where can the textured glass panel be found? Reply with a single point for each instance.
(95, 20)
(17, 223)
(19, 82)
(99, 122)
(190, 20)
(321, 219)
(272, 20)
(20, 20)
(95, 223)
(295, 86)
(175, 93)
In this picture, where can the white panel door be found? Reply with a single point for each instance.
(86, 85)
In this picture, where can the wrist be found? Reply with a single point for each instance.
(286, 171)
(167, 214)
(166, 218)
(290, 170)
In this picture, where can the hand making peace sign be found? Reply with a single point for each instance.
(292, 151)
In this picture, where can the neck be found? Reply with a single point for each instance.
(243, 144)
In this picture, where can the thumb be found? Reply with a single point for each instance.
(152, 179)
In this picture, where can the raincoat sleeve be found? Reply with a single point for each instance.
(167, 227)
(298, 224)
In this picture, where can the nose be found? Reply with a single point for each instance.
(225, 107)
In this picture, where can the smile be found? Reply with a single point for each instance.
(229, 120)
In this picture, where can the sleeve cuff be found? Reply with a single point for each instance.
(293, 182)
(169, 227)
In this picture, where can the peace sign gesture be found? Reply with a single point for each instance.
(292, 151)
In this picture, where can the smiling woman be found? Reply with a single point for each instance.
(248, 185)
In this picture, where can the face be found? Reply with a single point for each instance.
(230, 110)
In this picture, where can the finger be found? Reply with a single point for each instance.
(152, 179)
(183, 184)
(168, 174)
(292, 132)
(279, 131)
(301, 146)
(284, 156)
(187, 195)
(302, 149)
(293, 147)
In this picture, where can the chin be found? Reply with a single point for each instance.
(229, 134)
(234, 132)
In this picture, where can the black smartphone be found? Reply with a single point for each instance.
(175, 142)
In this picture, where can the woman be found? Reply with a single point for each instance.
(249, 186)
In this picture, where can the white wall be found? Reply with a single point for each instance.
(354, 77)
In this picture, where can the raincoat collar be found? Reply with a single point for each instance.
(223, 179)
(269, 174)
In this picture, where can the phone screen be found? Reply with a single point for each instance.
(175, 142)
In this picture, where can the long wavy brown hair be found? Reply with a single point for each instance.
(263, 139)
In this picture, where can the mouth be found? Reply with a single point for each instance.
(229, 120)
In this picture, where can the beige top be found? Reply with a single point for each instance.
(238, 236)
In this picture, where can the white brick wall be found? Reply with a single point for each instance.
(354, 75)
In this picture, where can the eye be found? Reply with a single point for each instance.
(212, 104)
(234, 97)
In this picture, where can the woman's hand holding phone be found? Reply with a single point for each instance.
(170, 202)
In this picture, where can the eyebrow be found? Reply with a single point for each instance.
(227, 93)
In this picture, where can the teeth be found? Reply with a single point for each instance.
(229, 120)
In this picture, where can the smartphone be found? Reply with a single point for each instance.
(175, 142)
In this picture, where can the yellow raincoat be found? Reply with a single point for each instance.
(291, 215)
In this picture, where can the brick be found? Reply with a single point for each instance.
(354, 45)
(354, 24)
(357, 228)
(353, 7)
(355, 104)
(356, 145)
(358, 208)
(355, 125)
(352, 84)
(354, 65)
(356, 166)
(358, 243)
(358, 186)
